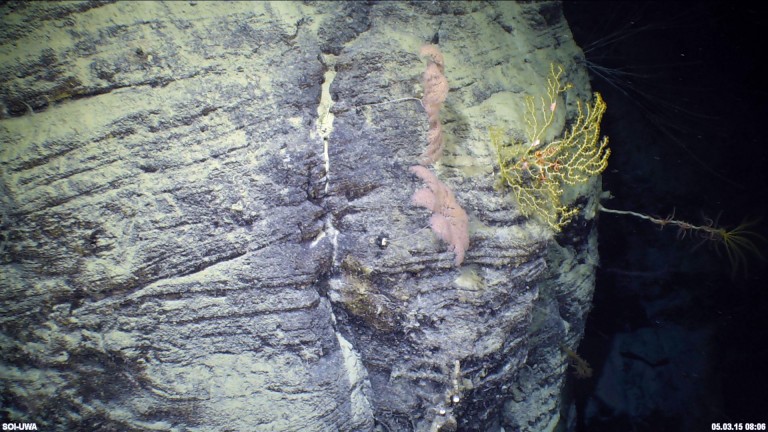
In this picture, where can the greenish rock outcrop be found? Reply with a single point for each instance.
(207, 225)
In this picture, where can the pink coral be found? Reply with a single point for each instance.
(449, 221)
(435, 90)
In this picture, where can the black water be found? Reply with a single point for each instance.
(678, 338)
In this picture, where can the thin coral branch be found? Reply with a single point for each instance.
(739, 243)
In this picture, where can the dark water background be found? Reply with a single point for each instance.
(678, 339)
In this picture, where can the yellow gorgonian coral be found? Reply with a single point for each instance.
(537, 172)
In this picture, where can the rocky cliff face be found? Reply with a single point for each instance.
(207, 219)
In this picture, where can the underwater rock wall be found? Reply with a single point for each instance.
(207, 219)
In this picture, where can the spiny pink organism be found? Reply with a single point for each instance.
(435, 90)
(449, 221)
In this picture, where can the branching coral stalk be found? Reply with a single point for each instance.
(737, 242)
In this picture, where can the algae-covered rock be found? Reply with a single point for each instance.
(207, 223)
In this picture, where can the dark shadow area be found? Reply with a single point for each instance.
(678, 338)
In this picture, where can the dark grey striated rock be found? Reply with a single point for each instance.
(206, 223)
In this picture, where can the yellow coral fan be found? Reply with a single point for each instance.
(537, 172)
